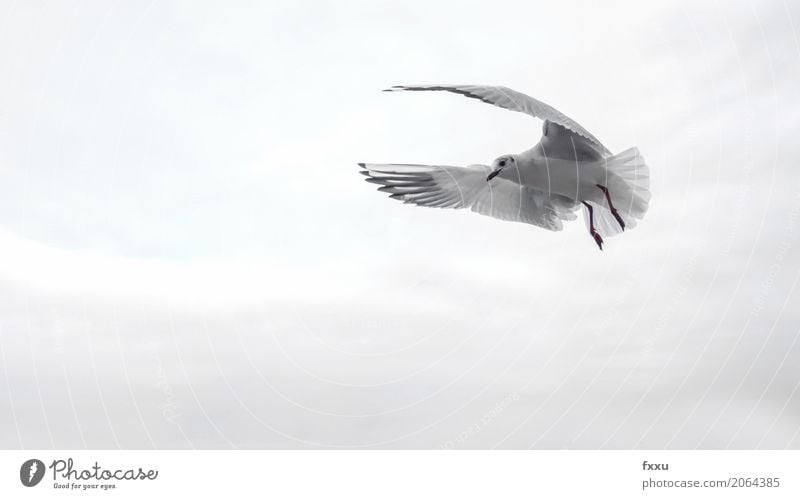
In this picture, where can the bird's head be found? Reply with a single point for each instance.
(499, 164)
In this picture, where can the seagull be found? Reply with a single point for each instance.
(568, 170)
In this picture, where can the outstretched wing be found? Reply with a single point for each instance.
(512, 100)
(466, 187)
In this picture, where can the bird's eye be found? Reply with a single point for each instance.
(503, 163)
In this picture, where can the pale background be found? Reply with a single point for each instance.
(189, 259)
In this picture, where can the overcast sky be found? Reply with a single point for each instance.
(188, 257)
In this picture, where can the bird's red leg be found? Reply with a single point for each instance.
(592, 231)
(611, 206)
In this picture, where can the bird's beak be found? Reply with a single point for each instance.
(494, 173)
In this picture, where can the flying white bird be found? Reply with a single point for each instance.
(568, 169)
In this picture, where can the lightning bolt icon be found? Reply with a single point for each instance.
(32, 471)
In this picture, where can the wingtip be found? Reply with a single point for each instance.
(362, 165)
(393, 88)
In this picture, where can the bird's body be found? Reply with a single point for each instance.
(544, 185)
(576, 179)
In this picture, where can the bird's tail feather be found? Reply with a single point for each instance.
(628, 183)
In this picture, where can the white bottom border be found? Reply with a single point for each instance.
(406, 474)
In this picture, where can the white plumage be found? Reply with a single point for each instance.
(542, 186)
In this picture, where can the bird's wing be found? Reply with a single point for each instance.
(466, 187)
(561, 143)
(509, 99)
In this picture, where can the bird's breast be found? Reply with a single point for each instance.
(572, 179)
